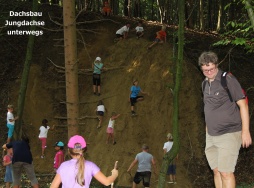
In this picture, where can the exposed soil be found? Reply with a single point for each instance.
(128, 59)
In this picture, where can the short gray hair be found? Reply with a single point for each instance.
(207, 57)
(145, 147)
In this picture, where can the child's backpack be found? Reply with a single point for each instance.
(224, 85)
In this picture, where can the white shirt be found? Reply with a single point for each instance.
(168, 145)
(43, 132)
(122, 30)
(111, 123)
(101, 108)
(139, 29)
(10, 116)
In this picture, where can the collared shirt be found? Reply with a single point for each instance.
(221, 115)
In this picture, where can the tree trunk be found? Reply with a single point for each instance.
(125, 7)
(189, 13)
(152, 10)
(164, 7)
(136, 8)
(115, 7)
(219, 16)
(175, 149)
(250, 12)
(209, 15)
(161, 10)
(201, 15)
(25, 75)
(129, 9)
(71, 66)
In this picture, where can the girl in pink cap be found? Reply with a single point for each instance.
(78, 172)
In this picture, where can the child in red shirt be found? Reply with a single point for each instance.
(7, 162)
(160, 37)
(106, 10)
(59, 157)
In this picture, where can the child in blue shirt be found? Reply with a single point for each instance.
(134, 97)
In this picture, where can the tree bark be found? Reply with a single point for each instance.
(71, 66)
(125, 8)
(175, 149)
(201, 15)
(219, 16)
(25, 75)
(250, 12)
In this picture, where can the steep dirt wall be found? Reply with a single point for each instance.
(129, 59)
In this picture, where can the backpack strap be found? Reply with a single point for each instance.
(224, 84)
(96, 66)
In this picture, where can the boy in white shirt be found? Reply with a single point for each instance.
(122, 33)
(139, 30)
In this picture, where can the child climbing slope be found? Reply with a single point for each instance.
(110, 129)
(100, 110)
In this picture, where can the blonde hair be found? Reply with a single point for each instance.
(78, 151)
(10, 106)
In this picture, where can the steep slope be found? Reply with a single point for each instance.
(126, 60)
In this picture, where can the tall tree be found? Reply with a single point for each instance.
(250, 12)
(137, 8)
(71, 66)
(25, 75)
(178, 77)
(164, 10)
(219, 15)
(201, 15)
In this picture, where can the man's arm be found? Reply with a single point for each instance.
(4, 146)
(244, 112)
(165, 150)
(132, 165)
(154, 166)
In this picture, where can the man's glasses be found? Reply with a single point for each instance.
(209, 70)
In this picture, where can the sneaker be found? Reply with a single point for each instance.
(114, 142)
(133, 113)
(170, 182)
(42, 156)
(94, 93)
(98, 94)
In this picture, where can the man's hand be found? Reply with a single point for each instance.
(246, 139)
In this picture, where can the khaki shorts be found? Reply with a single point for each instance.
(222, 151)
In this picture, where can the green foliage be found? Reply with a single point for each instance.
(238, 34)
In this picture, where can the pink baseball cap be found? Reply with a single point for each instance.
(76, 139)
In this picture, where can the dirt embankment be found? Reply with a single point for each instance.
(127, 60)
